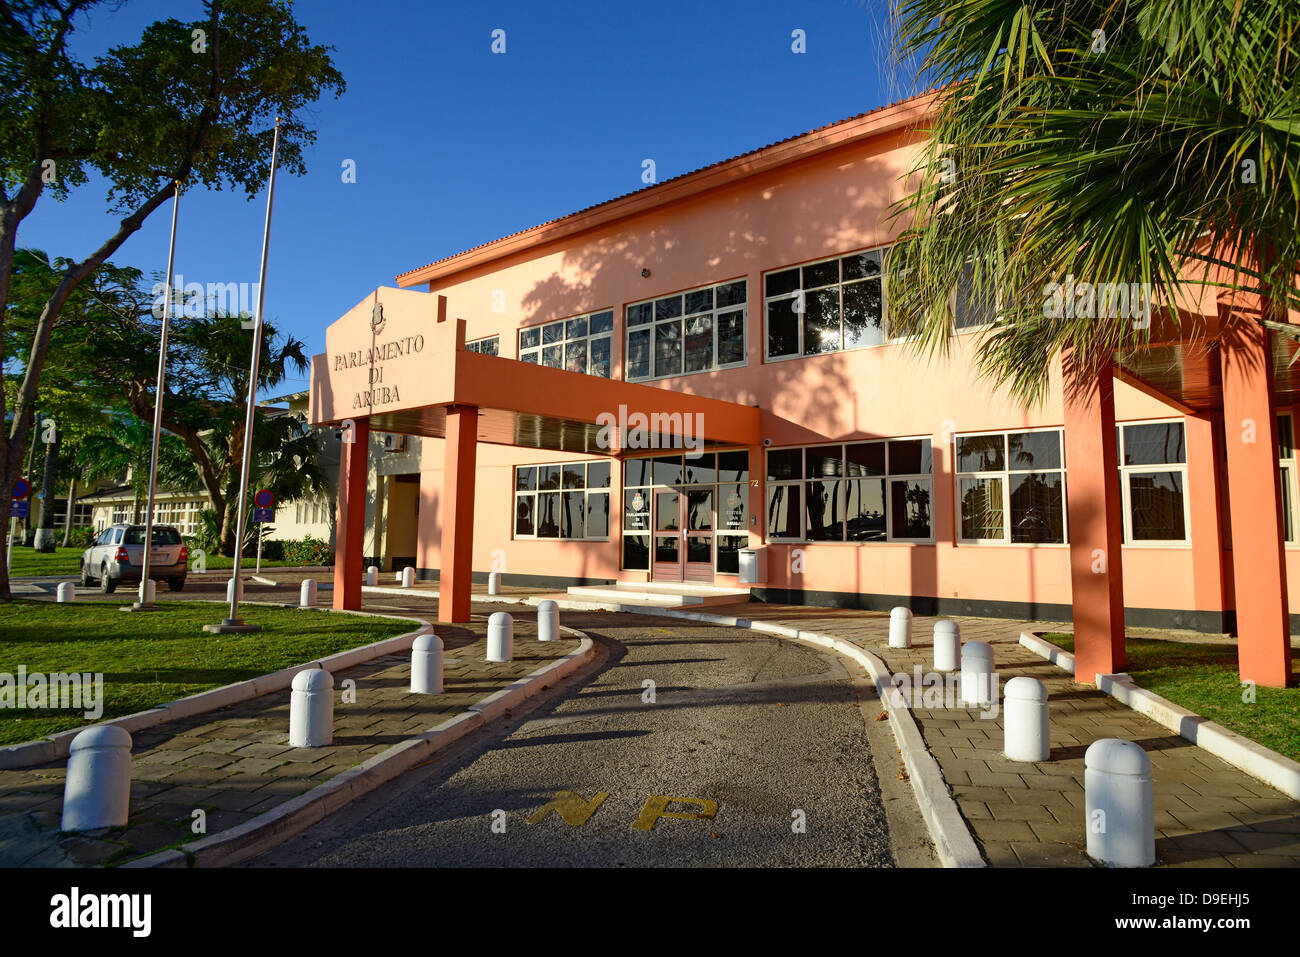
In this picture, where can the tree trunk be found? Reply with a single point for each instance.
(44, 540)
(72, 504)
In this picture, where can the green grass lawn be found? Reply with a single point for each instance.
(149, 659)
(1203, 678)
(67, 561)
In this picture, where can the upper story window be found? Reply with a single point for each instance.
(1011, 487)
(971, 310)
(827, 306)
(491, 346)
(696, 331)
(855, 492)
(568, 500)
(581, 344)
(1153, 482)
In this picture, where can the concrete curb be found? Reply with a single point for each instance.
(1275, 770)
(1045, 649)
(297, 814)
(55, 747)
(952, 838)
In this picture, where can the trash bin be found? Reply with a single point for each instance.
(752, 570)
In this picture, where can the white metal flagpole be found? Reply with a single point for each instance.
(143, 603)
(233, 621)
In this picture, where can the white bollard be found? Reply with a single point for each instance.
(501, 637)
(978, 679)
(230, 590)
(426, 665)
(397, 577)
(494, 583)
(548, 621)
(97, 789)
(67, 591)
(146, 591)
(307, 593)
(900, 628)
(311, 709)
(372, 575)
(408, 576)
(1119, 803)
(947, 646)
(1025, 730)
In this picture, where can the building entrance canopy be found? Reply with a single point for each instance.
(395, 360)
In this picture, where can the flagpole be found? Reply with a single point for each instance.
(233, 623)
(143, 603)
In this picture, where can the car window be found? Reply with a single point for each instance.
(117, 537)
(161, 536)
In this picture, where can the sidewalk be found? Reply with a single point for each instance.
(236, 763)
(1208, 813)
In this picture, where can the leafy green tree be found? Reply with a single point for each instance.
(126, 447)
(188, 102)
(1150, 142)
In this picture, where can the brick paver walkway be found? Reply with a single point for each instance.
(236, 763)
(1208, 813)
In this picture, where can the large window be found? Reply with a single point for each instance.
(490, 346)
(1011, 487)
(696, 331)
(969, 310)
(716, 497)
(855, 492)
(581, 344)
(568, 500)
(826, 306)
(1153, 482)
(1286, 465)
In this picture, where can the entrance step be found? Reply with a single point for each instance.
(661, 594)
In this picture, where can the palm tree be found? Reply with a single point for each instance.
(1153, 142)
(127, 448)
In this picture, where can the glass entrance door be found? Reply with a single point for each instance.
(698, 527)
(669, 553)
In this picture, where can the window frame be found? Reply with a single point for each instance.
(1125, 493)
(1005, 475)
(714, 312)
(887, 478)
(886, 338)
(587, 491)
(564, 340)
(479, 345)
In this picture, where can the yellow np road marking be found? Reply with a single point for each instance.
(571, 806)
(656, 807)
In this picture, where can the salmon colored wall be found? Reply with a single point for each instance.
(831, 205)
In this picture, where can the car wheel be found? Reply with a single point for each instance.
(87, 579)
(175, 584)
(107, 584)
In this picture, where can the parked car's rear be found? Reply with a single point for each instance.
(117, 555)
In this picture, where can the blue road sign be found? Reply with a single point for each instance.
(264, 515)
(19, 508)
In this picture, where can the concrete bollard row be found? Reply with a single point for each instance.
(947, 646)
(97, 788)
(67, 591)
(1119, 804)
(426, 665)
(307, 593)
(1026, 731)
(548, 621)
(978, 677)
(408, 576)
(494, 583)
(501, 637)
(311, 709)
(900, 628)
(372, 575)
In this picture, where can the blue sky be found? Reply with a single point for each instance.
(455, 145)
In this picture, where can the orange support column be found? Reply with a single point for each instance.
(1096, 529)
(1255, 506)
(458, 514)
(350, 540)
